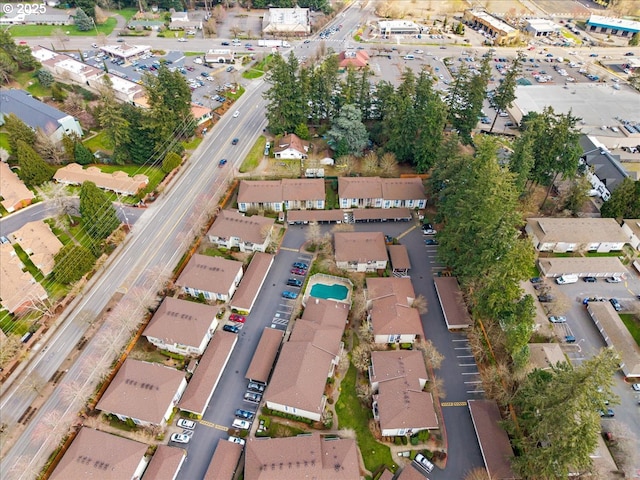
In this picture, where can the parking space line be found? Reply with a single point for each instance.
(467, 365)
(474, 382)
(460, 340)
(470, 373)
(461, 348)
(464, 356)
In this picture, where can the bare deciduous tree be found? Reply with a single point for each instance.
(370, 164)
(9, 347)
(60, 36)
(431, 355)
(74, 102)
(479, 473)
(420, 304)
(361, 357)
(436, 387)
(313, 233)
(626, 449)
(388, 165)
(50, 151)
(235, 30)
(364, 392)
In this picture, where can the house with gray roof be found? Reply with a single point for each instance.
(37, 115)
(605, 171)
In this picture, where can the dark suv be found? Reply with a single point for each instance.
(590, 279)
(293, 282)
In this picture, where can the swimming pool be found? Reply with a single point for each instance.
(332, 292)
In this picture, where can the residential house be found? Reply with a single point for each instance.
(205, 379)
(291, 147)
(13, 192)
(182, 327)
(605, 171)
(165, 463)
(308, 359)
(287, 21)
(543, 356)
(18, 289)
(600, 235)
(40, 243)
(37, 115)
(581, 266)
(360, 251)
(215, 278)
(225, 461)
(631, 229)
(390, 313)
(309, 456)
(101, 456)
(278, 195)
(181, 21)
(493, 439)
(409, 472)
(233, 229)
(143, 392)
(400, 404)
(118, 181)
(357, 59)
(201, 114)
(376, 192)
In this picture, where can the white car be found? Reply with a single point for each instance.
(239, 441)
(180, 438)
(614, 280)
(558, 319)
(423, 462)
(182, 39)
(188, 424)
(636, 387)
(241, 424)
(236, 114)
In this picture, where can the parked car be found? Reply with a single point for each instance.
(188, 424)
(431, 241)
(636, 387)
(536, 280)
(222, 162)
(235, 141)
(546, 298)
(608, 414)
(234, 317)
(239, 441)
(614, 279)
(590, 279)
(246, 414)
(241, 424)
(423, 462)
(427, 229)
(289, 295)
(301, 265)
(616, 304)
(570, 339)
(231, 328)
(557, 319)
(252, 397)
(256, 387)
(298, 271)
(293, 282)
(180, 438)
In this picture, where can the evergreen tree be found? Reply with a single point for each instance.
(348, 131)
(286, 107)
(18, 131)
(82, 154)
(45, 78)
(98, 217)
(71, 263)
(171, 161)
(505, 93)
(33, 170)
(82, 20)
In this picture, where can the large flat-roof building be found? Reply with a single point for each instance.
(612, 26)
(287, 21)
(398, 27)
(501, 32)
(541, 27)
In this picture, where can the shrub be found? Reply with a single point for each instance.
(404, 440)
(414, 440)
(397, 441)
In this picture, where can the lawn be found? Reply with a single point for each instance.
(127, 13)
(98, 142)
(155, 174)
(255, 155)
(252, 73)
(192, 144)
(236, 95)
(4, 141)
(9, 325)
(70, 30)
(632, 323)
(352, 415)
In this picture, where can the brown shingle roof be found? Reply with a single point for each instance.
(180, 321)
(263, 191)
(209, 274)
(305, 360)
(360, 187)
(97, 455)
(231, 223)
(452, 303)
(224, 462)
(293, 142)
(12, 190)
(265, 355)
(494, 442)
(410, 473)
(399, 288)
(402, 404)
(302, 189)
(252, 280)
(201, 386)
(390, 308)
(37, 239)
(315, 216)
(17, 288)
(577, 230)
(403, 188)
(359, 246)
(399, 257)
(544, 355)
(598, 266)
(118, 181)
(354, 58)
(295, 458)
(142, 390)
(165, 463)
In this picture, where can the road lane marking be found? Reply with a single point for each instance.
(453, 404)
(288, 249)
(214, 425)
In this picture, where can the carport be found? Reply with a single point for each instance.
(265, 355)
(453, 307)
(582, 266)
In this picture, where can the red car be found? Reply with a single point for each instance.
(234, 317)
(298, 271)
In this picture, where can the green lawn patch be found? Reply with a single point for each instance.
(70, 30)
(98, 142)
(9, 325)
(28, 264)
(192, 144)
(352, 415)
(236, 95)
(193, 54)
(604, 254)
(127, 13)
(255, 155)
(4, 141)
(252, 73)
(632, 323)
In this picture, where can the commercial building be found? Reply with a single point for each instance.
(287, 21)
(612, 26)
(501, 32)
(398, 27)
(541, 27)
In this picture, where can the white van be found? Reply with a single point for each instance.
(564, 279)
(409, 57)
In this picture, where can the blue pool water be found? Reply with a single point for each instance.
(333, 292)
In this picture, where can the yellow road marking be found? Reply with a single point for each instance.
(454, 404)
(214, 425)
(406, 232)
(289, 249)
